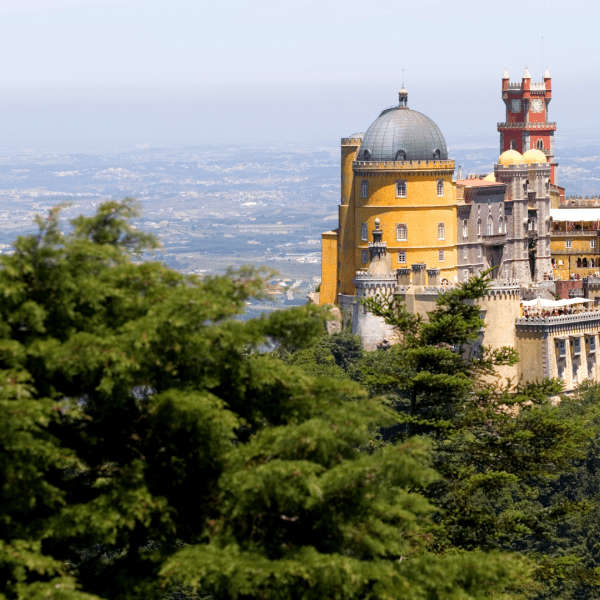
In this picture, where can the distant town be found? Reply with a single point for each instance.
(216, 207)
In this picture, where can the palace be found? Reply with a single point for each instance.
(407, 228)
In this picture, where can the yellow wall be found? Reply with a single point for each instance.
(580, 249)
(348, 266)
(420, 211)
(329, 260)
(529, 347)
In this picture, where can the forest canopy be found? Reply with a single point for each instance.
(150, 448)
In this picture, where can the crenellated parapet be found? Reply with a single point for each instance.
(504, 289)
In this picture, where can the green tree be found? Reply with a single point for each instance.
(147, 449)
(495, 443)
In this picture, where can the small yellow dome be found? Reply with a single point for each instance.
(511, 157)
(534, 156)
(490, 177)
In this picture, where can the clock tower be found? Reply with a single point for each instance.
(526, 125)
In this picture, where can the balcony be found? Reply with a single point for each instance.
(493, 240)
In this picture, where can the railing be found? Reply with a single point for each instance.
(521, 125)
(591, 314)
(384, 164)
(574, 232)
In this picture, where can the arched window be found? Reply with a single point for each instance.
(364, 188)
(401, 155)
(441, 231)
(364, 232)
(465, 253)
(365, 256)
(478, 226)
(402, 256)
(500, 225)
(436, 155)
(512, 145)
(401, 232)
(465, 228)
(585, 263)
(440, 255)
(539, 144)
(400, 189)
(490, 225)
(579, 263)
(440, 187)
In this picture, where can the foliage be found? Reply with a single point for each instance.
(147, 449)
(569, 547)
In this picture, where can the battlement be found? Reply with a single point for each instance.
(517, 87)
(580, 201)
(524, 167)
(351, 141)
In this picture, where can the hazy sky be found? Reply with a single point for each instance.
(86, 73)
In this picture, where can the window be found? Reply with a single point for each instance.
(365, 256)
(440, 187)
(592, 243)
(364, 232)
(401, 155)
(513, 145)
(465, 228)
(441, 231)
(592, 340)
(562, 348)
(490, 225)
(436, 156)
(401, 256)
(539, 144)
(569, 244)
(364, 188)
(577, 346)
(500, 225)
(465, 253)
(479, 252)
(401, 232)
(440, 255)
(400, 189)
(478, 226)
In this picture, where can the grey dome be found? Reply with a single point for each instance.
(403, 134)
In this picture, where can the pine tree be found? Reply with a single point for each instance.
(495, 443)
(149, 450)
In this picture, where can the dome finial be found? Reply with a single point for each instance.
(547, 73)
(403, 96)
(505, 76)
(526, 75)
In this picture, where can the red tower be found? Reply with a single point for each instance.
(527, 124)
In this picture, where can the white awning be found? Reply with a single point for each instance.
(555, 303)
(575, 214)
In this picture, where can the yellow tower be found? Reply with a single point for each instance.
(399, 173)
